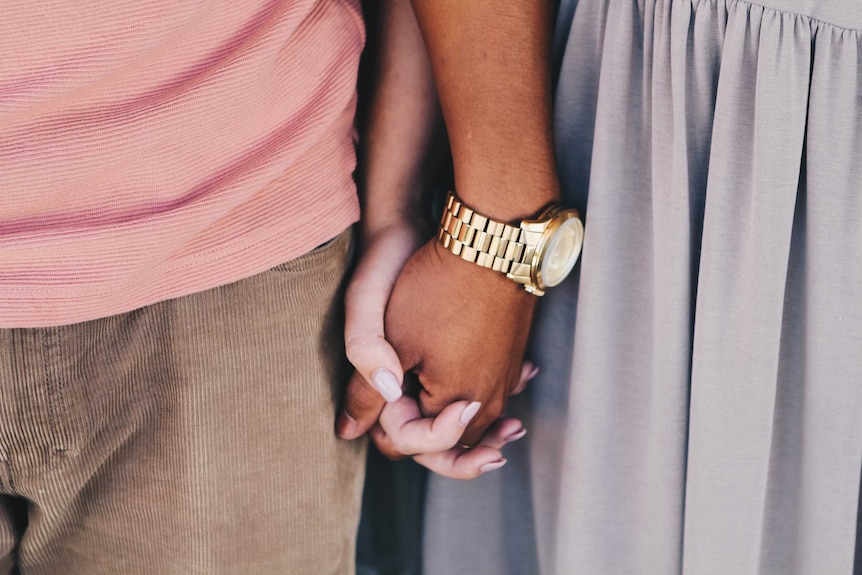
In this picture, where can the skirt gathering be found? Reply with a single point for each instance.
(699, 405)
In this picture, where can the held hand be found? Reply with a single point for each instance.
(378, 374)
(402, 430)
(463, 330)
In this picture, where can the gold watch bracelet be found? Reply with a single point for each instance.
(478, 239)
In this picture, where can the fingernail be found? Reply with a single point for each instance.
(533, 373)
(469, 413)
(492, 466)
(347, 426)
(386, 384)
(515, 436)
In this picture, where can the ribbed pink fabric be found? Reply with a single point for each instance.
(150, 148)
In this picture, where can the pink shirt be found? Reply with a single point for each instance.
(154, 148)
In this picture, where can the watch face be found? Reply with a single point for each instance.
(561, 252)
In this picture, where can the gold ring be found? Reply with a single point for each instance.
(465, 446)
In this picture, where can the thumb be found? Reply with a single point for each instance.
(377, 378)
(365, 305)
(378, 374)
(377, 366)
(362, 406)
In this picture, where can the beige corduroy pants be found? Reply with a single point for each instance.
(195, 435)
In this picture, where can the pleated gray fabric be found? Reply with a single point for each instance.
(699, 408)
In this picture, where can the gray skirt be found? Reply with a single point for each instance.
(699, 408)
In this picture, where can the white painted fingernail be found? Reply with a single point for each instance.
(516, 436)
(469, 413)
(492, 466)
(386, 384)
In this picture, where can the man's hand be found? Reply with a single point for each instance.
(462, 330)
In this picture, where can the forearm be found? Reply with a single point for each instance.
(402, 121)
(491, 60)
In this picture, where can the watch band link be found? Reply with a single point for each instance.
(481, 240)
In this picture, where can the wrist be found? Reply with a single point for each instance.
(378, 219)
(537, 253)
(477, 280)
(510, 198)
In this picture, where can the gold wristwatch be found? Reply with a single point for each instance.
(537, 253)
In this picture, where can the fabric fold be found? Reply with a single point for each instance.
(697, 408)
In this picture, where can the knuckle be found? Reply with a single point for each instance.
(473, 435)
(430, 406)
(381, 441)
(430, 437)
(394, 444)
(362, 397)
(468, 474)
(364, 402)
(378, 437)
(356, 345)
(398, 445)
(496, 407)
(390, 453)
(473, 474)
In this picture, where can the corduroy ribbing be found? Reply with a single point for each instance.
(192, 436)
